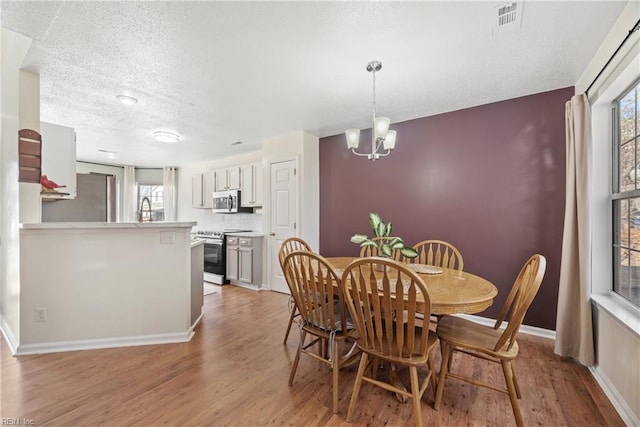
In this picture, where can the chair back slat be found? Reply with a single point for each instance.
(314, 285)
(383, 306)
(520, 297)
(290, 245)
(438, 253)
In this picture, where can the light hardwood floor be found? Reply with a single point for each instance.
(235, 370)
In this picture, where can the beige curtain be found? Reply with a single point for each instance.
(574, 332)
(170, 196)
(130, 195)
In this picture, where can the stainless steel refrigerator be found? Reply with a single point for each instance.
(96, 201)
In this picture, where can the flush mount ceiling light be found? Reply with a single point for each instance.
(109, 154)
(168, 137)
(129, 100)
(380, 133)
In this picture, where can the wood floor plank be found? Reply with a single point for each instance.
(235, 371)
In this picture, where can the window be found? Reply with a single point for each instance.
(626, 195)
(150, 202)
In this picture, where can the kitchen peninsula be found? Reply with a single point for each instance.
(94, 285)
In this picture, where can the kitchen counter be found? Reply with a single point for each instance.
(196, 242)
(108, 285)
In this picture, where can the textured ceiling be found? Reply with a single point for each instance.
(219, 72)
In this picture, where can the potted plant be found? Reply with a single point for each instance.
(385, 243)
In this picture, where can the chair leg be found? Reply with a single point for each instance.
(515, 381)
(335, 367)
(293, 314)
(356, 386)
(415, 394)
(434, 381)
(303, 336)
(444, 369)
(508, 377)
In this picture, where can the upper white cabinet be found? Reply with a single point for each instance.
(202, 187)
(59, 158)
(227, 179)
(251, 185)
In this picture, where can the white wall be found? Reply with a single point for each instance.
(616, 323)
(306, 147)
(13, 48)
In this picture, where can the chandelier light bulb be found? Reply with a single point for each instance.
(353, 138)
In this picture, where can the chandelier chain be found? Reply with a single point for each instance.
(373, 112)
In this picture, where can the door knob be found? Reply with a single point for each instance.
(272, 234)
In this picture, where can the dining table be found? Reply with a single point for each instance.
(450, 291)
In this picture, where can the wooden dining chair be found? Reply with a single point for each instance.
(315, 286)
(438, 253)
(290, 245)
(383, 307)
(372, 251)
(492, 343)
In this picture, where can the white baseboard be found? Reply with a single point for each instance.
(93, 344)
(620, 405)
(196, 323)
(7, 333)
(529, 330)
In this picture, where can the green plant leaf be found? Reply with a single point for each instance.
(409, 252)
(385, 250)
(368, 243)
(388, 229)
(382, 230)
(396, 243)
(374, 220)
(358, 238)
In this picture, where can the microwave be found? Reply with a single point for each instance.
(228, 202)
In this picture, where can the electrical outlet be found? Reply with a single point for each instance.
(167, 237)
(41, 314)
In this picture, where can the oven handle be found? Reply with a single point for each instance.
(214, 241)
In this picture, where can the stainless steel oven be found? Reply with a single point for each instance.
(214, 260)
(215, 251)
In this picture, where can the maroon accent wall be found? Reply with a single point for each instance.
(489, 179)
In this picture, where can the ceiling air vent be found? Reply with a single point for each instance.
(507, 16)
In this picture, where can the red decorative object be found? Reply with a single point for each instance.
(48, 184)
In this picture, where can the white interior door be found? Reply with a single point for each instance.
(283, 214)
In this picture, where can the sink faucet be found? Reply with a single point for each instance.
(142, 210)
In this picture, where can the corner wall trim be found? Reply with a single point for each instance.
(620, 405)
(8, 336)
(93, 344)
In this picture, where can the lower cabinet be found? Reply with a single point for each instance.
(244, 260)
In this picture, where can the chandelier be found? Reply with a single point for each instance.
(381, 136)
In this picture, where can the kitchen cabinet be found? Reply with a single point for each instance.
(202, 185)
(59, 159)
(244, 261)
(227, 179)
(251, 185)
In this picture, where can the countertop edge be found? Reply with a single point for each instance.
(104, 225)
(245, 234)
